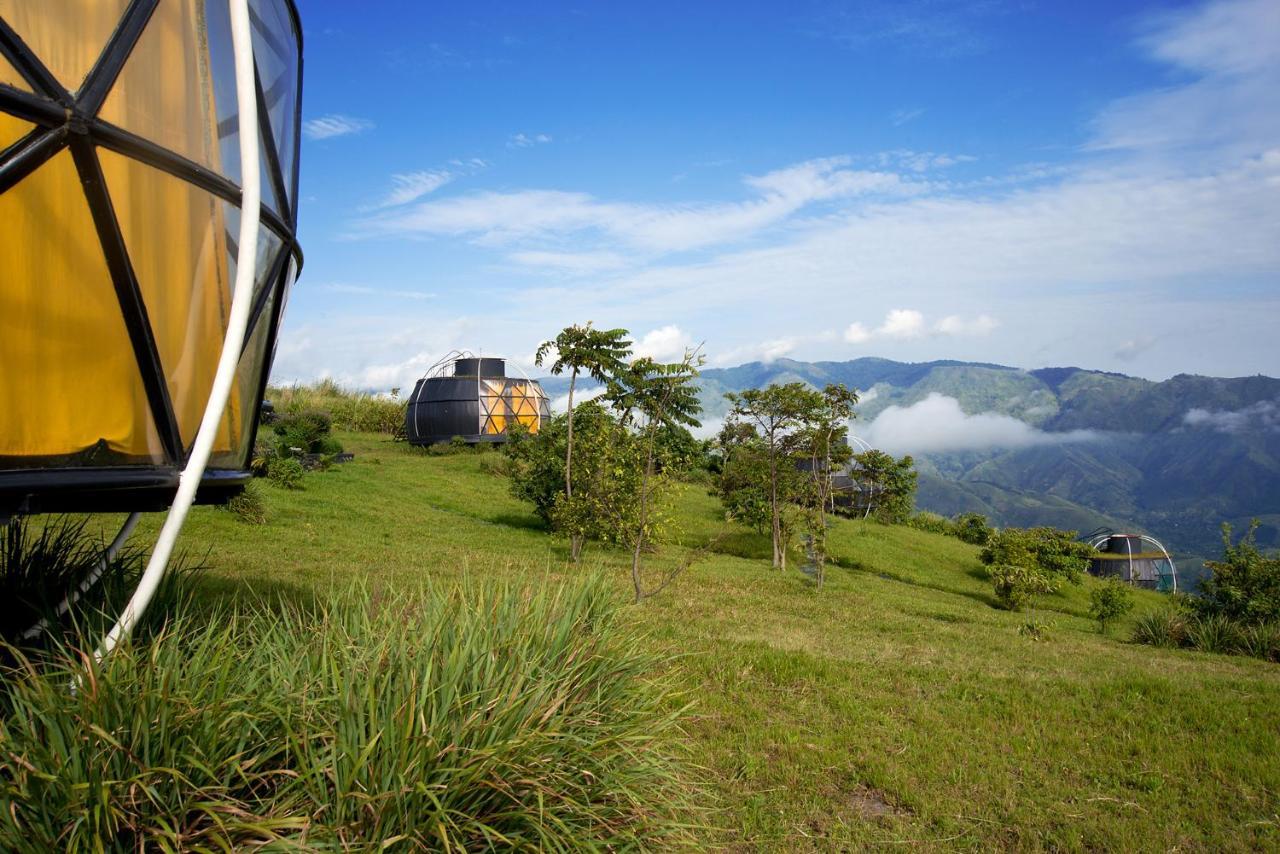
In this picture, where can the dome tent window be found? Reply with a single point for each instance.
(120, 186)
(472, 397)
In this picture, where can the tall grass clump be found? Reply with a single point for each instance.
(350, 410)
(480, 716)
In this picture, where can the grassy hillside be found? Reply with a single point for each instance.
(898, 706)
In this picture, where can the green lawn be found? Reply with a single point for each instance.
(896, 707)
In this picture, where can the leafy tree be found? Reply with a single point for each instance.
(828, 451)
(972, 528)
(609, 473)
(743, 483)
(599, 353)
(1025, 562)
(655, 397)
(893, 482)
(1245, 584)
(1110, 600)
(779, 414)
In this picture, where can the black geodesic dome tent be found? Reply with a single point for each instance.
(121, 189)
(1137, 559)
(473, 398)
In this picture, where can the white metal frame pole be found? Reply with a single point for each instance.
(237, 323)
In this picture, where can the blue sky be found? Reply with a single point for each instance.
(1030, 183)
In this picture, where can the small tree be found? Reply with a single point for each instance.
(1110, 600)
(1025, 562)
(1245, 584)
(893, 482)
(828, 452)
(655, 396)
(779, 413)
(599, 353)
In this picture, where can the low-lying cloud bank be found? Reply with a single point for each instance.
(1261, 417)
(937, 424)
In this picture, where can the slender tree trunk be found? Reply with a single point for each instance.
(779, 560)
(644, 519)
(575, 539)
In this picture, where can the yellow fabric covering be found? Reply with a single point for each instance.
(69, 377)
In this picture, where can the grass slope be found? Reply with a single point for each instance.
(898, 706)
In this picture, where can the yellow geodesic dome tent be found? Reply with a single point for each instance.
(120, 204)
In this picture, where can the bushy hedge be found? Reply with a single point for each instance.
(1024, 562)
(476, 717)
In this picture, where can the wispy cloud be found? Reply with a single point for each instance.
(900, 117)
(766, 351)
(364, 290)
(904, 324)
(570, 262)
(527, 140)
(411, 186)
(1261, 417)
(500, 218)
(940, 28)
(334, 125)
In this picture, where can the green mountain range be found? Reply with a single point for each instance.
(1068, 447)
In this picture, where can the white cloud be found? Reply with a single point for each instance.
(954, 324)
(364, 290)
(766, 351)
(1261, 417)
(570, 262)
(900, 117)
(921, 161)
(1132, 348)
(501, 218)
(581, 394)
(938, 423)
(525, 140)
(664, 344)
(333, 125)
(899, 323)
(411, 186)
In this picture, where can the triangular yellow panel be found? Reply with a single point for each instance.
(165, 93)
(176, 237)
(67, 35)
(10, 75)
(11, 130)
(70, 378)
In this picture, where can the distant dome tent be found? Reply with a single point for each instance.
(1137, 559)
(853, 491)
(472, 397)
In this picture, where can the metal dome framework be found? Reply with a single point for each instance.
(1136, 559)
(120, 196)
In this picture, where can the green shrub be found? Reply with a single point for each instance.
(1245, 584)
(1017, 585)
(286, 472)
(304, 432)
(1261, 641)
(1164, 628)
(249, 506)
(1110, 600)
(931, 522)
(1214, 633)
(1056, 553)
(486, 717)
(351, 410)
(972, 528)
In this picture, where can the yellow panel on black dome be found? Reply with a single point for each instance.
(176, 236)
(66, 35)
(10, 75)
(75, 381)
(12, 129)
(165, 92)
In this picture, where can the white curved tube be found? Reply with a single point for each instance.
(91, 579)
(237, 323)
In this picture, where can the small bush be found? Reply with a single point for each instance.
(931, 522)
(485, 717)
(1016, 586)
(1108, 601)
(1214, 633)
(494, 464)
(1261, 641)
(459, 444)
(286, 472)
(249, 506)
(304, 432)
(1245, 583)
(1164, 628)
(972, 528)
